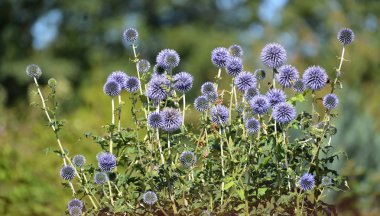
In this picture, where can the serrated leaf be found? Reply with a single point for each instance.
(228, 185)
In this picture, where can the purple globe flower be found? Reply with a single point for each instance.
(235, 50)
(219, 56)
(132, 84)
(286, 75)
(188, 159)
(315, 77)
(67, 173)
(207, 88)
(106, 161)
(150, 198)
(330, 101)
(219, 115)
(34, 71)
(252, 125)
(100, 178)
(346, 36)
(183, 82)
(284, 113)
(112, 88)
(250, 93)
(245, 80)
(171, 119)
(155, 120)
(158, 87)
(299, 86)
(130, 35)
(276, 96)
(234, 66)
(307, 182)
(75, 211)
(273, 55)
(212, 96)
(168, 59)
(259, 104)
(143, 65)
(118, 76)
(201, 104)
(260, 74)
(79, 160)
(75, 203)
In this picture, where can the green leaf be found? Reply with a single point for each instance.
(228, 185)
(297, 97)
(261, 191)
(241, 194)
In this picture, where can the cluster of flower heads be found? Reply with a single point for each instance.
(118, 81)
(169, 119)
(75, 207)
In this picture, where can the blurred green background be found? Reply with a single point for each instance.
(79, 43)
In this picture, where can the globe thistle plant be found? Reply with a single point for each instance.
(79, 160)
(299, 86)
(112, 88)
(150, 198)
(252, 125)
(250, 93)
(155, 120)
(260, 74)
(188, 159)
(207, 88)
(106, 161)
(157, 69)
(235, 51)
(284, 113)
(245, 80)
(143, 66)
(75, 203)
(68, 173)
(212, 96)
(286, 75)
(132, 84)
(219, 115)
(273, 55)
(346, 36)
(330, 101)
(158, 88)
(234, 66)
(276, 96)
(219, 56)
(183, 82)
(314, 77)
(201, 104)
(130, 35)
(34, 71)
(171, 119)
(259, 104)
(75, 211)
(100, 178)
(168, 59)
(118, 76)
(306, 182)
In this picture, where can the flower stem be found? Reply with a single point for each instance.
(113, 123)
(110, 190)
(184, 109)
(119, 114)
(222, 161)
(217, 79)
(160, 148)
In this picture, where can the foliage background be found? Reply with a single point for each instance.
(79, 43)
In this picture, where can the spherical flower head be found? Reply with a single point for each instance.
(259, 104)
(330, 101)
(219, 115)
(346, 36)
(155, 120)
(276, 96)
(34, 71)
(158, 87)
(235, 50)
(143, 66)
(219, 56)
(286, 75)
(307, 182)
(201, 104)
(130, 35)
(132, 84)
(273, 55)
(79, 160)
(208, 87)
(188, 159)
(100, 178)
(284, 113)
(67, 173)
(252, 125)
(75, 211)
(326, 181)
(260, 74)
(118, 76)
(168, 58)
(75, 203)
(106, 161)
(234, 66)
(245, 80)
(150, 198)
(250, 93)
(315, 77)
(183, 82)
(212, 96)
(171, 119)
(299, 86)
(112, 88)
